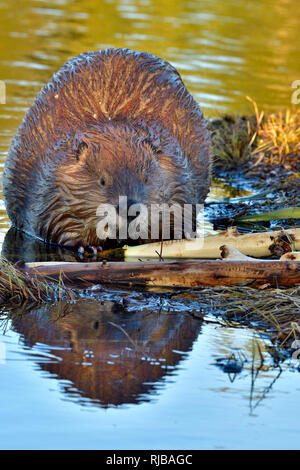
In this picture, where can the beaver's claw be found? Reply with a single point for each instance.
(89, 251)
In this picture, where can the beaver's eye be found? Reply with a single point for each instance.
(146, 179)
(102, 181)
(80, 149)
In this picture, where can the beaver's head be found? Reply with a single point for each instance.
(115, 164)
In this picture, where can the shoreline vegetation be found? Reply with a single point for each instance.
(265, 148)
(241, 142)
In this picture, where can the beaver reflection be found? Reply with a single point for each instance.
(19, 246)
(110, 355)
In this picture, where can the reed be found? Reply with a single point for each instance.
(17, 287)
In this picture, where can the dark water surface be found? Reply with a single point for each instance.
(129, 370)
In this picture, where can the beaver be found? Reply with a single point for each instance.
(110, 123)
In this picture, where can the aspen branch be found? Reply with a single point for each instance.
(260, 244)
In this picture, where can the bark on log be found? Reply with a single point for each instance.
(183, 273)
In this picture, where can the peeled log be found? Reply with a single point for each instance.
(259, 245)
(292, 256)
(183, 273)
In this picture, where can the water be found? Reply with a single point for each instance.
(67, 384)
(145, 374)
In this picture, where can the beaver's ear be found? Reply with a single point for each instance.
(81, 149)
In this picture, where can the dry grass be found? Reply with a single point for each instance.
(274, 311)
(273, 138)
(17, 287)
(277, 135)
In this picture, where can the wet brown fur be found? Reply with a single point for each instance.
(116, 116)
